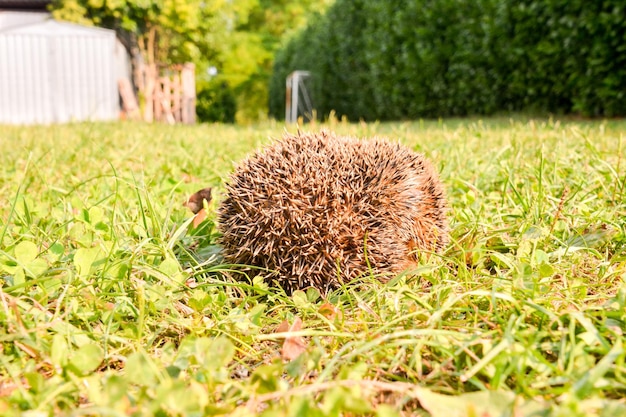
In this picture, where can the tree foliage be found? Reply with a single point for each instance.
(215, 102)
(236, 37)
(406, 59)
(247, 63)
(166, 31)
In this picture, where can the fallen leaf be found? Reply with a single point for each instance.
(199, 218)
(293, 346)
(368, 309)
(182, 308)
(329, 311)
(195, 202)
(282, 327)
(29, 350)
(7, 387)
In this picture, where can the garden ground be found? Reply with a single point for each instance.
(113, 303)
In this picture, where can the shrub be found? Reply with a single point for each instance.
(215, 102)
(407, 59)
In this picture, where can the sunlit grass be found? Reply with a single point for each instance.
(112, 304)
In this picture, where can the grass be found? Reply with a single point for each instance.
(112, 304)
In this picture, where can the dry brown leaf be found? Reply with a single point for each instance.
(199, 218)
(7, 387)
(282, 327)
(186, 310)
(29, 350)
(293, 346)
(195, 202)
(368, 309)
(330, 311)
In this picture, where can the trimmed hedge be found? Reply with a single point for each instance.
(376, 59)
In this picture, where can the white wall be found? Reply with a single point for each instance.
(52, 72)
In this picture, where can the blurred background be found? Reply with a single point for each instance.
(188, 61)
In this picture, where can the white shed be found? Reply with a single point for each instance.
(54, 72)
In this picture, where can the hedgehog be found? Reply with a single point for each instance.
(319, 210)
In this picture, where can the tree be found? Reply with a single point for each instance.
(238, 38)
(247, 65)
(166, 31)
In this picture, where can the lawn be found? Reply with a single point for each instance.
(112, 303)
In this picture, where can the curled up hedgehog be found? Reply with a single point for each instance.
(319, 209)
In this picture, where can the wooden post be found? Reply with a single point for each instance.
(151, 81)
(166, 100)
(156, 100)
(188, 105)
(176, 97)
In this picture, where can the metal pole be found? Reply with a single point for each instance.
(294, 97)
(288, 99)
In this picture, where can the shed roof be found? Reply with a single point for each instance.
(55, 28)
(24, 4)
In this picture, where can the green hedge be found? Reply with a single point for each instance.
(382, 60)
(215, 102)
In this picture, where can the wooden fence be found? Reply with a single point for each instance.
(168, 97)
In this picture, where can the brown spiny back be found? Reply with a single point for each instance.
(317, 208)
